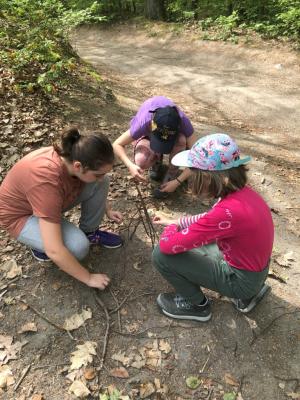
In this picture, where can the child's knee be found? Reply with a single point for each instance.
(157, 258)
(80, 247)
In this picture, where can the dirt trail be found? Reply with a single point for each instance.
(252, 93)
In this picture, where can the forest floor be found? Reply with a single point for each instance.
(249, 91)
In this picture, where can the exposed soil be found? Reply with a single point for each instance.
(251, 93)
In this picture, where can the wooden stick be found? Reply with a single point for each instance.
(22, 377)
(117, 304)
(105, 339)
(121, 304)
(44, 317)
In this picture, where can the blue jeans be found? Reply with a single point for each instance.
(93, 204)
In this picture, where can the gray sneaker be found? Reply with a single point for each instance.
(175, 306)
(246, 306)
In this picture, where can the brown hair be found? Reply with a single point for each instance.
(213, 184)
(93, 151)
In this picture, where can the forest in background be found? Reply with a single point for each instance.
(34, 47)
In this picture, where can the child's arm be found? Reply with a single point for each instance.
(64, 259)
(188, 220)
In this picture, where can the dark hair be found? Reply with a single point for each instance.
(93, 151)
(213, 184)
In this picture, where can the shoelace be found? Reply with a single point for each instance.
(181, 302)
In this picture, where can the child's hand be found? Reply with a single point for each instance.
(161, 220)
(170, 186)
(99, 281)
(114, 216)
(137, 173)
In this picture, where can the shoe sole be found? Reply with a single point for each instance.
(107, 247)
(260, 295)
(40, 259)
(186, 317)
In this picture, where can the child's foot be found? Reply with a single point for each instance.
(175, 306)
(105, 239)
(40, 256)
(246, 306)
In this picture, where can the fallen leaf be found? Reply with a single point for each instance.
(122, 358)
(6, 377)
(29, 327)
(119, 373)
(136, 266)
(164, 346)
(77, 320)
(56, 286)
(11, 269)
(37, 397)
(192, 382)
(89, 374)
(230, 380)
(293, 395)
(138, 362)
(229, 396)
(286, 259)
(146, 389)
(83, 355)
(8, 349)
(79, 389)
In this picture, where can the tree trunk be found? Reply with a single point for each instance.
(154, 9)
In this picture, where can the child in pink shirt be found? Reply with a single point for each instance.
(226, 249)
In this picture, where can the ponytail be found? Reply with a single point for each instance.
(92, 151)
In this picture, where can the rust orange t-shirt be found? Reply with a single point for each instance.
(38, 184)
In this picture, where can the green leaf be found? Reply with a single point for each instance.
(192, 382)
(229, 396)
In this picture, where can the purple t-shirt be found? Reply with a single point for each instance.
(140, 125)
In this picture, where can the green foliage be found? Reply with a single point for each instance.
(34, 40)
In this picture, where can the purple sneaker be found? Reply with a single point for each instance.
(40, 256)
(105, 239)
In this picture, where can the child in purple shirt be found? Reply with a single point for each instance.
(226, 249)
(158, 128)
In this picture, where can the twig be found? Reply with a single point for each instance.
(44, 317)
(105, 339)
(265, 330)
(204, 365)
(117, 304)
(49, 366)
(210, 393)
(152, 231)
(121, 304)
(22, 377)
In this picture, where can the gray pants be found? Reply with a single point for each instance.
(93, 204)
(206, 267)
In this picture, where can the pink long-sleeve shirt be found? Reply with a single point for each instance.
(240, 224)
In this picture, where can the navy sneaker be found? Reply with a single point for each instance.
(105, 239)
(246, 306)
(40, 256)
(175, 306)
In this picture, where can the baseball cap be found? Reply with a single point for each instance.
(216, 152)
(165, 129)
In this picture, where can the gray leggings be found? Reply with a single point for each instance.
(93, 204)
(206, 267)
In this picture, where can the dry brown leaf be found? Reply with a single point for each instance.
(123, 311)
(138, 362)
(29, 327)
(37, 397)
(56, 286)
(11, 269)
(77, 320)
(132, 328)
(8, 349)
(6, 377)
(83, 355)
(89, 373)
(146, 389)
(293, 395)
(119, 373)
(164, 346)
(122, 358)
(230, 380)
(79, 389)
